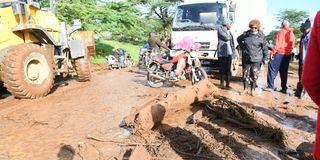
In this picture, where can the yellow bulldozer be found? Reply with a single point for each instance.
(35, 47)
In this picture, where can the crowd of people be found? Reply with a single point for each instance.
(255, 52)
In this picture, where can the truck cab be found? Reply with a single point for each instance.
(200, 20)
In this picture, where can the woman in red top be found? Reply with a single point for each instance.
(311, 75)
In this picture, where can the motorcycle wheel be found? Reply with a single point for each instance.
(198, 75)
(153, 82)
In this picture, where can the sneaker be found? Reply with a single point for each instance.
(268, 89)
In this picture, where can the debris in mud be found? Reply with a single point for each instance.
(66, 152)
(305, 150)
(140, 153)
(243, 117)
(145, 117)
(218, 129)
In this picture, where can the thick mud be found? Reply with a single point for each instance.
(230, 125)
(84, 121)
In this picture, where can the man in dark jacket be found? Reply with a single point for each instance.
(225, 51)
(304, 39)
(254, 52)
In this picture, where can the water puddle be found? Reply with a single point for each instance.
(289, 120)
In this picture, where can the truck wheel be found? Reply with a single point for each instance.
(27, 71)
(82, 66)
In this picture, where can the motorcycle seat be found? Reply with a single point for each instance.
(161, 60)
(164, 61)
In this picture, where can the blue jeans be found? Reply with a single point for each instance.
(279, 63)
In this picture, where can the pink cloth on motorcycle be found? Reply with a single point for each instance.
(188, 44)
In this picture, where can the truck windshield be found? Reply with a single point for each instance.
(199, 16)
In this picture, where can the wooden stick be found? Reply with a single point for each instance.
(119, 142)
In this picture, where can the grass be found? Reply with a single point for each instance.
(105, 48)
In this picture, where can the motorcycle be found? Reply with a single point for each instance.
(119, 59)
(161, 70)
(144, 57)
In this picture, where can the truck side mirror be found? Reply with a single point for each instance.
(232, 7)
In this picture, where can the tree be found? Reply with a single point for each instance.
(162, 10)
(272, 35)
(121, 20)
(295, 19)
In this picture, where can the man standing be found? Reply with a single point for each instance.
(226, 49)
(305, 29)
(155, 43)
(280, 57)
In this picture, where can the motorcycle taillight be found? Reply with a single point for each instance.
(164, 56)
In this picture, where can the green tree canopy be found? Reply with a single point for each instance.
(295, 19)
(130, 20)
(161, 11)
(120, 20)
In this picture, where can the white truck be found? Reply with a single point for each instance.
(200, 19)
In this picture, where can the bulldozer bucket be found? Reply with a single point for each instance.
(88, 36)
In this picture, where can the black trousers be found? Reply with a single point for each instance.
(225, 65)
(300, 90)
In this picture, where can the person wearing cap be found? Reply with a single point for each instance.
(226, 50)
(304, 39)
(280, 57)
(254, 48)
(311, 75)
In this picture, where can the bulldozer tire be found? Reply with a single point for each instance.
(83, 69)
(27, 71)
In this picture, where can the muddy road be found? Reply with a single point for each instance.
(81, 121)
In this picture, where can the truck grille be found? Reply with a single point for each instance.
(204, 45)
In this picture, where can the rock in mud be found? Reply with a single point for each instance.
(305, 150)
(140, 153)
